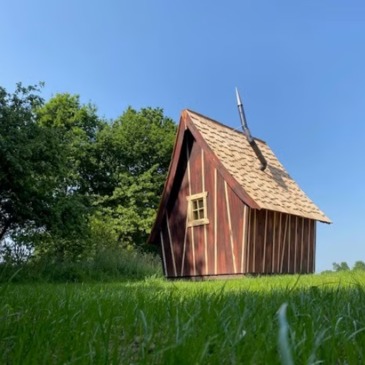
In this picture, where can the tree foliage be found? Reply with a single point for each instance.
(343, 266)
(69, 178)
(359, 266)
(78, 126)
(30, 162)
(131, 159)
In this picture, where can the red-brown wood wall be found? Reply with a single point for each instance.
(237, 239)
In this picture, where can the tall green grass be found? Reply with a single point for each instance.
(322, 321)
(106, 265)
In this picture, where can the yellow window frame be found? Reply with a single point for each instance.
(197, 209)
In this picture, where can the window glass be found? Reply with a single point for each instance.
(197, 206)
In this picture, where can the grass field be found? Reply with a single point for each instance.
(321, 321)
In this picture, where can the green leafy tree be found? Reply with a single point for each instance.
(30, 162)
(77, 125)
(67, 178)
(343, 266)
(131, 159)
(359, 266)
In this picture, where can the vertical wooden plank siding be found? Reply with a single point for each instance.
(184, 246)
(224, 249)
(308, 246)
(313, 242)
(191, 228)
(298, 245)
(269, 241)
(197, 231)
(314, 245)
(244, 237)
(273, 245)
(284, 242)
(278, 240)
(167, 252)
(186, 221)
(163, 253)
(279, 243)
(265, 243)
(254, 242)
(289, 244)
(206, 264)
(248, 240)
(210, 206)
(236, 210)
(301, 246)
(171, 246)
(230, 228)
(215, 224)
(295, 244)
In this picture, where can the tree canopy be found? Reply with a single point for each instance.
(30, 162)
(128, 169)
(343, 266)
(359, 266)
(66, 175)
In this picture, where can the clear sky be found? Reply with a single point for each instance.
(299, 65)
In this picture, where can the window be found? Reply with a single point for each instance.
(197, 209)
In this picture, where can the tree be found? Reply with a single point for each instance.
(343, 266)
(78, 125)
(130, 162)
(30, 161)
(64, 173)
(359, 266)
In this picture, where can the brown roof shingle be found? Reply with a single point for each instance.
(272, 188)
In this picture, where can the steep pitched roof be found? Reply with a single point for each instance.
(272, 188)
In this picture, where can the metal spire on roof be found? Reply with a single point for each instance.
(247, 132)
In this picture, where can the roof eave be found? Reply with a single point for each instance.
(169, 180)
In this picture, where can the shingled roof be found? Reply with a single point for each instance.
(271, 189)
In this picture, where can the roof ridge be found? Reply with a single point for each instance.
(223, 125)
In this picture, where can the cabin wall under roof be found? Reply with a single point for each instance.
(237, 239)
(279, 243)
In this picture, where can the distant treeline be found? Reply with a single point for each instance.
(343, 266)
(72, 183)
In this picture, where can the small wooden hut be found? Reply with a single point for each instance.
(221, 215)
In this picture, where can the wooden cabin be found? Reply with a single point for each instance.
(221, 215)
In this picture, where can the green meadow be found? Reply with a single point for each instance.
(312, 319)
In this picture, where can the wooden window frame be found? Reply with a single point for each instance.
(202, 197)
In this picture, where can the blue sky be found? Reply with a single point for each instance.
(300, 68)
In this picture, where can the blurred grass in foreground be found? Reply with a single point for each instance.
(153, 321)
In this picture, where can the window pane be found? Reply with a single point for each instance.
(198, 209)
